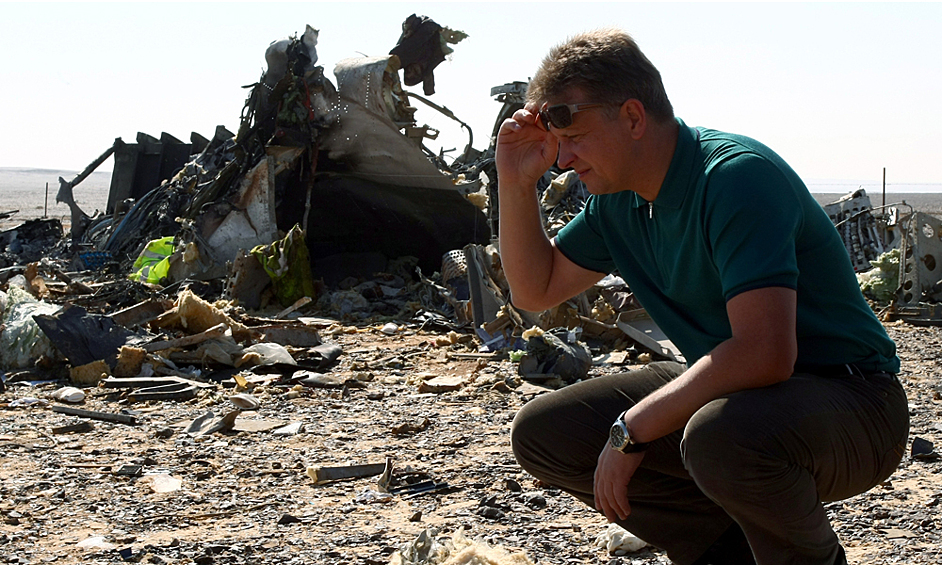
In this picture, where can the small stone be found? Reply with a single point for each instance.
(439, 385)
(922, 449)
(512, 485)
(288, 519)
(413, 427)
(492, 513)
(501, 386)
(291, 429)
(535, 501)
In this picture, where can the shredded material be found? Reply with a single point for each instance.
(426, 550)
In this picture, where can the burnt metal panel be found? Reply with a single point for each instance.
(350, 215)
(140, 167)
(921, 261)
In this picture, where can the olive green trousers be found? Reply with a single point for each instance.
(766, 458)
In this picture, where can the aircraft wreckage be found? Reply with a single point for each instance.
(328, 195)
(346, 163)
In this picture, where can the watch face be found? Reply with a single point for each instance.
(618, 435)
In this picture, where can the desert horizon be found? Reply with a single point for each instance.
(24, 189)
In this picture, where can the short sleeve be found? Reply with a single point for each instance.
(583, 243)
(752, 219)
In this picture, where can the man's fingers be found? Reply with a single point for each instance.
(521, 120)
(610, 485)
(606, 499)
(615, 501)
(526, 115)
(620, 504)
(508, 125)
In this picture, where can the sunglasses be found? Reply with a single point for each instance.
(560, 115)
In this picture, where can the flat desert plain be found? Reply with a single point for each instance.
(24, 189)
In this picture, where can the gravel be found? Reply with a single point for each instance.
(245, 496)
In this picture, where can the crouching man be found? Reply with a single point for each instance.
(789, 397)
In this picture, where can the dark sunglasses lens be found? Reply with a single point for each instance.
(559, 116)
(544, 119)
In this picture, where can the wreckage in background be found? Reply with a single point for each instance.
(346, 163)
(342, 171)
(897, 253)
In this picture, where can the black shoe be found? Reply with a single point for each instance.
(730, 549)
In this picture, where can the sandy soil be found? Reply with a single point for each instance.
(25, 190)
(246, 498)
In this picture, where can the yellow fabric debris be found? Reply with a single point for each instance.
(130, 360)
(153, 264)
(90, 373)
(196, 315)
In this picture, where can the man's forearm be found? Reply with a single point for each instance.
(760, 353)
(724, 371)
(526, 253)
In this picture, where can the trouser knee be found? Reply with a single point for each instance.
(524, 437)
(713, 452)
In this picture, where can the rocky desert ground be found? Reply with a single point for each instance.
(159, 489)
(153, 493)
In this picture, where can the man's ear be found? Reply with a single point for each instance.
(636, 119)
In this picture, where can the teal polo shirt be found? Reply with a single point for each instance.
(731, 216)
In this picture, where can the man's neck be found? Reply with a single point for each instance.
(655, 159)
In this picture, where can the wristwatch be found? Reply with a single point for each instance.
(619, 437)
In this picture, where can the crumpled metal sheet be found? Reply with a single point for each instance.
(252, 221)
(365, 139)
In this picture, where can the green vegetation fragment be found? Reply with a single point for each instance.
(516, 355)
(288, 266)
(880, 284)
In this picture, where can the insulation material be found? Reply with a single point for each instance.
(426, 550)
(130, 361)
(90, 373)
(195, 315)
(22, 342)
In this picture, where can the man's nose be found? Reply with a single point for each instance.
(565, 157)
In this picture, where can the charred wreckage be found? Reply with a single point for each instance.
(327, 202)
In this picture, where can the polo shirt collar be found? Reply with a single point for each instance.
(676, 183)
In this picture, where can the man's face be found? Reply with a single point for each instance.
(597, 145)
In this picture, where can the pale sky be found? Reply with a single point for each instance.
(839, 90)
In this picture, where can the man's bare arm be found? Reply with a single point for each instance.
(761, 352)
(540, 276)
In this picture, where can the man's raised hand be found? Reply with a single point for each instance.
(524, 149)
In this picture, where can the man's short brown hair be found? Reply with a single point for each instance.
(605, 64)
